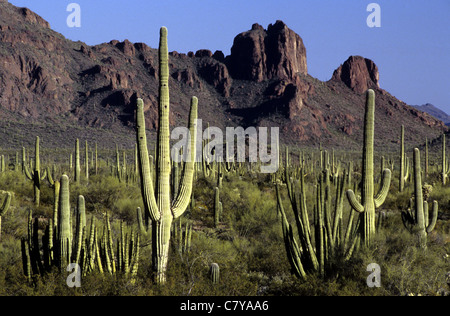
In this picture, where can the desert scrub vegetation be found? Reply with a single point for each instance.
(247, 244)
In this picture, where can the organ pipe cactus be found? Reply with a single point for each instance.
(157, 202)
(417, 221)
(92, 252)
(35, 174)
(369, 202)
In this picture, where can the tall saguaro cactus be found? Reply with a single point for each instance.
(77, 161)
(368, 201)
(157, 203)
(35, 174)
(417, 222)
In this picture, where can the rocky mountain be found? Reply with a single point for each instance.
(434, 111)
(60, 89)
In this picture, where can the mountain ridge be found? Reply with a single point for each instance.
(434, 111)
(48, 79)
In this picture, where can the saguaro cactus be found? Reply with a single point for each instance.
(64, 224)
(157, 203)
(404, 165)
(35, 174)
(4, 208)
(214, 273)
(445, 165)
(368, 201)
(417, 222)
(77, 176)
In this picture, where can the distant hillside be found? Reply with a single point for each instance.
(60, 89)
(434, 111)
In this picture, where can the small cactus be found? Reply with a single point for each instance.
(214, 273)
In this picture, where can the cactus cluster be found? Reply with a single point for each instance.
(326, 236)
(314, 251)
(62, 245)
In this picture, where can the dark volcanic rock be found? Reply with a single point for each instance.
(358, 73)
(260, 54)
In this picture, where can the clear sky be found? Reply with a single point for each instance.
(411, 47)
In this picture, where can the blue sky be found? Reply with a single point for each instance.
(411, 48)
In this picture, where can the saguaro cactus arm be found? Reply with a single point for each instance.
(434, 214)
(6, 203)
(184, 193)
(148, 193)
(354, 203)
(384, 189)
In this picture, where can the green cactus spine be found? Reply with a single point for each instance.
(368, 202)
(417, 222)
(157, 202)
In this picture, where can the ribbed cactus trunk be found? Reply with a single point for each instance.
(402, 160)
(64, 223)
(417, 221)
(35, 174)
(77, 161)
(367, 176)
(368, 201)
(420, 218)
(157, 203)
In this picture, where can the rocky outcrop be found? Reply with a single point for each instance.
(260, 54)
(32, 17)
(358, 73)
(216, 73)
